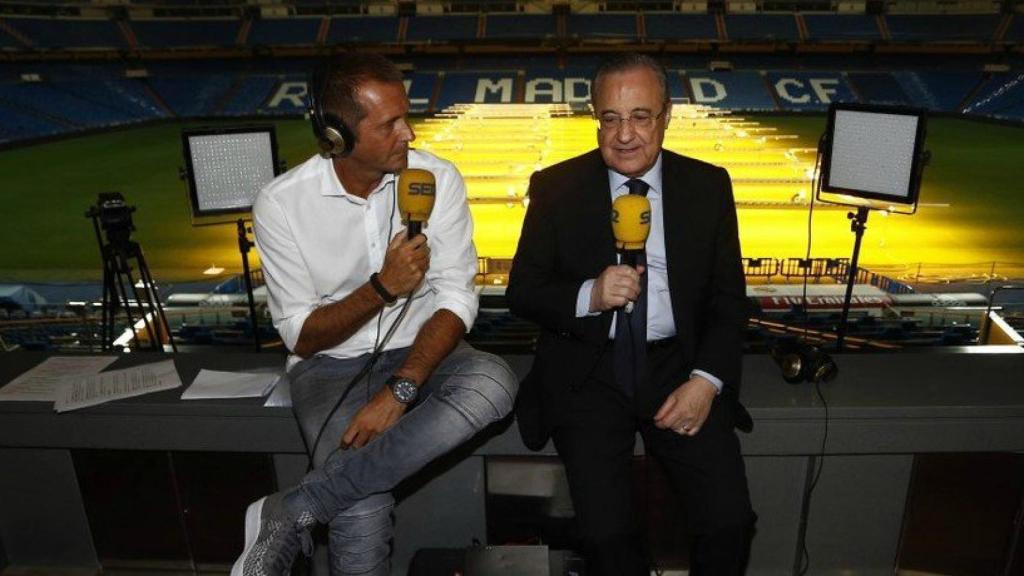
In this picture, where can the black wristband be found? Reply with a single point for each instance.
(386, 296)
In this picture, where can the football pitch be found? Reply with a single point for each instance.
(969, 223)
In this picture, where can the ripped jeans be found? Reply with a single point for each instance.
(350, 489)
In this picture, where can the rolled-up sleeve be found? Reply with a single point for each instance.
(290, 294)
(453, 261)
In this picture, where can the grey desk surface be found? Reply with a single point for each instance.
(939, 400)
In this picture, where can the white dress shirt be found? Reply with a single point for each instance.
(660, 317)
(318, 244)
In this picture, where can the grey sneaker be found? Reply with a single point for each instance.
(273, 537)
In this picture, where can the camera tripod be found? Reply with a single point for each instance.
(121, 292)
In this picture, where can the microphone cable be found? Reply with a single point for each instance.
(371, 361)
(804, 562)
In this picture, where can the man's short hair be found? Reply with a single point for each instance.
(342, 77)
(626, 62)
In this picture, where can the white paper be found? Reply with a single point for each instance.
(116, 384)
(42, 383)
(219, 384)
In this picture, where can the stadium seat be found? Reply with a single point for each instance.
(841, 27)
(362, 29)
(284, 31)
(520, 26)
(619, 26)
(942, 28)
(441, 28)
(761, 27)
(675, 26)
(185, 32)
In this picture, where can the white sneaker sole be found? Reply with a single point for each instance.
(252, 530)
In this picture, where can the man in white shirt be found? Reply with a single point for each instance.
(345, 282)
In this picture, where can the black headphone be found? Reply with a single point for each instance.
(801, 362)
(332, 135)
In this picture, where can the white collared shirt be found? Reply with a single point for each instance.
(318, 244)
(660, 317)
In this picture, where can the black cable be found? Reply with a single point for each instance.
(378, 346)
(819, 462)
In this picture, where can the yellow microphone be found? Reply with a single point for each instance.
(631, 224)
(416, 193)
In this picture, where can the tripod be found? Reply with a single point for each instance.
(120, 290)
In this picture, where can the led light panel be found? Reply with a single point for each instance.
(873, 152)
(227, 167)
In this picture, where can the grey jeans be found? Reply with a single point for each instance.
(349, 489)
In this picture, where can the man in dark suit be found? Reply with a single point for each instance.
(670, 368)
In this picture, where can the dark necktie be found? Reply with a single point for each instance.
(631, 329)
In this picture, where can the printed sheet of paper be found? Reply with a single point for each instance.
(219, 384)
(116, 384)
(42, 383)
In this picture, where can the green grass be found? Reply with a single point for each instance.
(977, 168)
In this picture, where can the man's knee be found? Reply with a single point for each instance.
(484, 387)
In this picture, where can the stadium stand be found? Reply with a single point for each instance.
(619, 26)
(185, 33)
(441, 28)
(675, 26)
(879, 88)
(1001, 97)
(362, 29)
(942, 28)
(797, 90)
(740, 90)
(284, 31)
(841, 27)
(938, 91)
(49, 33)
(762, 27)
(520, 26)
(1015, 33)
(192, 95)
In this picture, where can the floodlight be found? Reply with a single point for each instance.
(873, 153)
(226, 167)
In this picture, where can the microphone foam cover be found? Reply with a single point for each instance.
(631, 221)
(416, 193)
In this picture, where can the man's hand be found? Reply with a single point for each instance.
(687, 407)
(405, 263)
(373, 419)
(615, 286)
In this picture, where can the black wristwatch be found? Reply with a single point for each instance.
(403, 389)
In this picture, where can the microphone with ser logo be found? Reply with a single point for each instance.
(416, 193)
(631, 224)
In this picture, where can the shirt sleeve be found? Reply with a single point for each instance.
(290, 294)
(453, 261)
(583, 299)
(710, 378)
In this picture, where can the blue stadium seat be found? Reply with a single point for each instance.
(674, 26)
(441, 28)
(800, 90)
(420, 86)
(844, 27)
(879, 88)
(602, 26)
(284, 31)
(8, 42)
(18, 123)
(761, 27)
(520, 26)
(181, 33)
(1001, 97)
(935, 27)
(736, 90)
(348, 29)
(250, 94)
(69, 33)
(935, 90)
(461, 87)
(192, 95)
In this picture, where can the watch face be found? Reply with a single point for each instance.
(404, 390)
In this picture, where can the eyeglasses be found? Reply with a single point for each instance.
(639, 120)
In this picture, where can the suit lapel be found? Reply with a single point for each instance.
(676, 197)
(594, 211)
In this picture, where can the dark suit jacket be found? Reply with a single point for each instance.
(567, 239)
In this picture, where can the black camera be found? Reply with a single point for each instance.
(114, 216)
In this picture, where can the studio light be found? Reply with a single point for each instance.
(226, 167)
